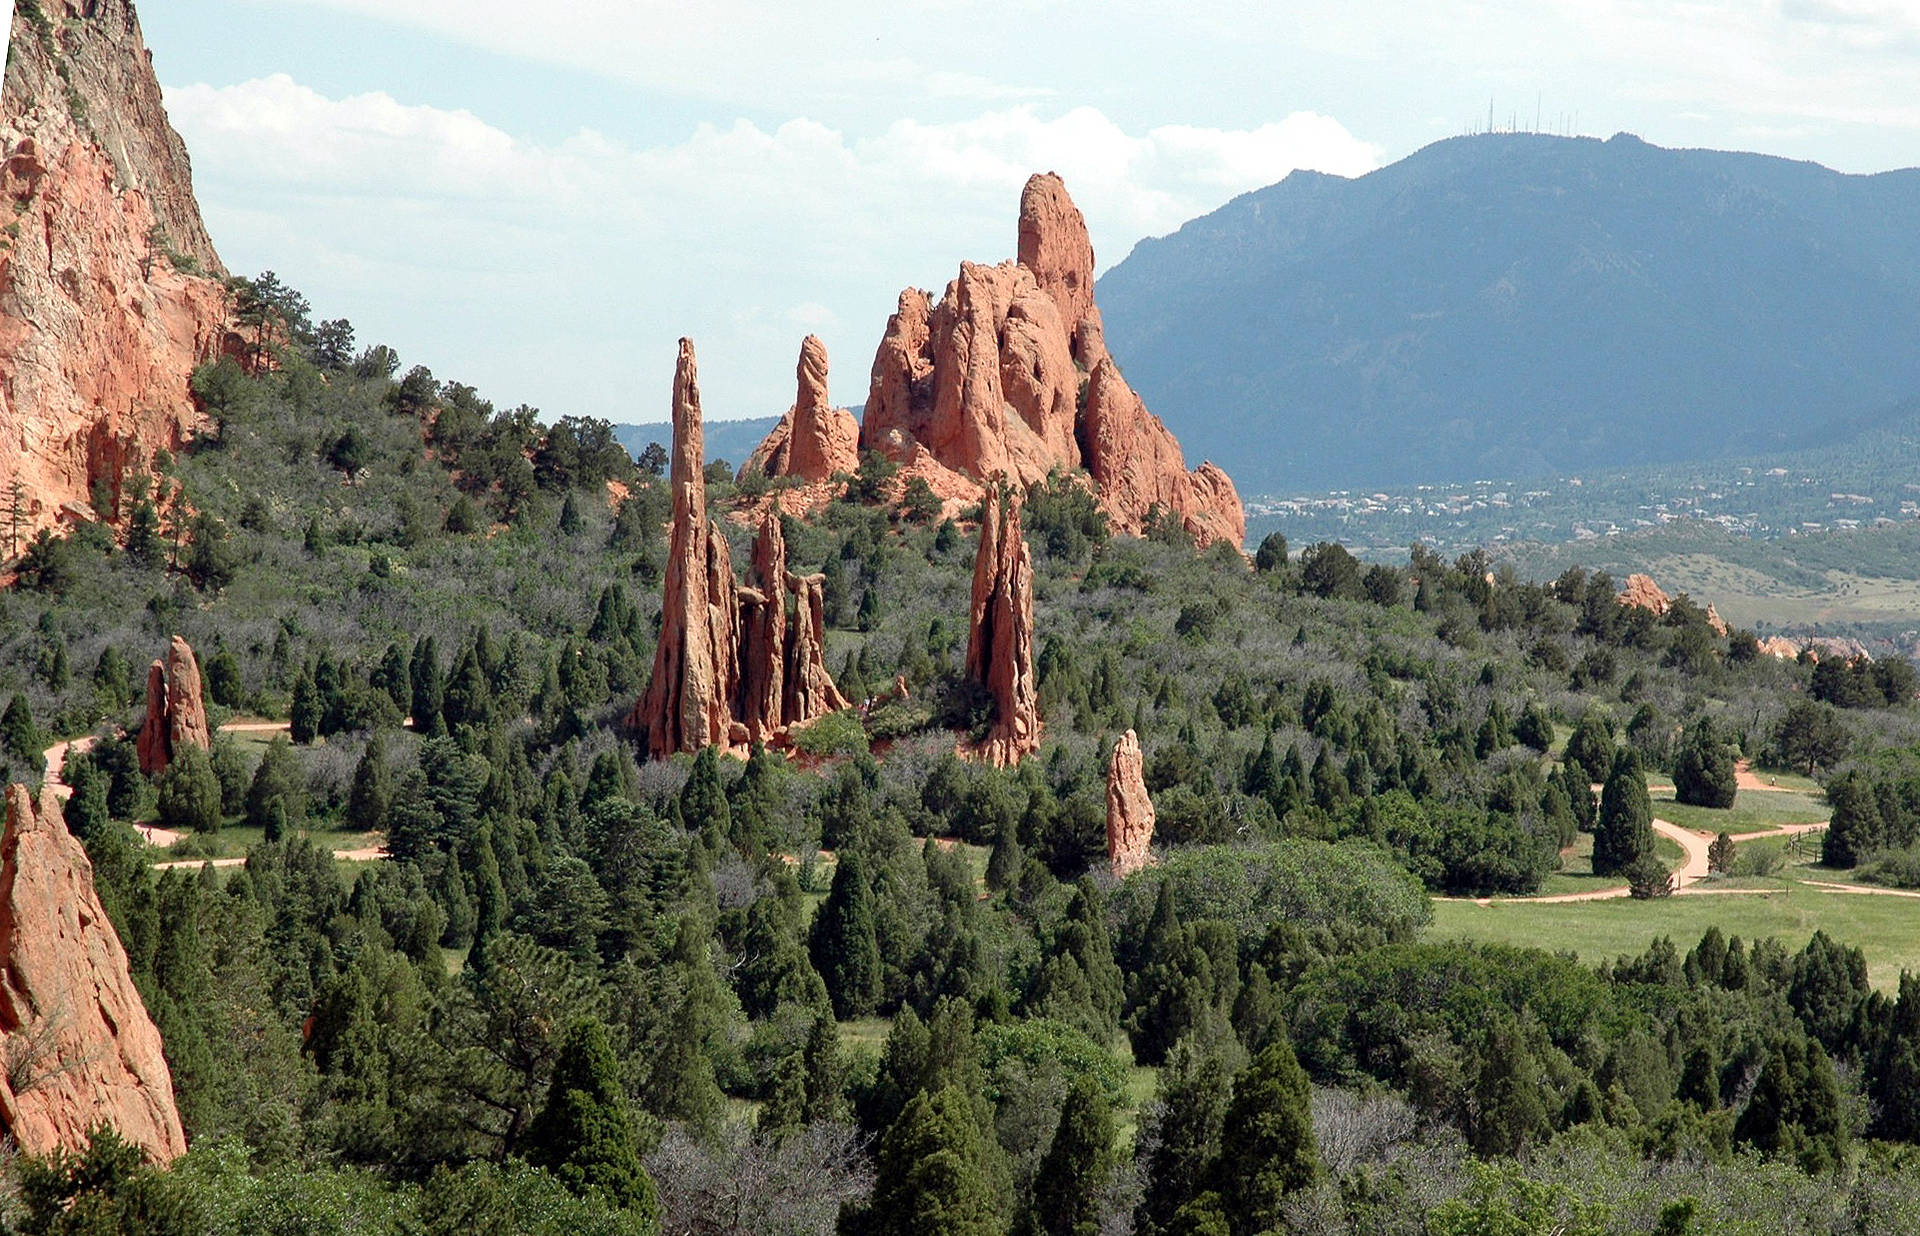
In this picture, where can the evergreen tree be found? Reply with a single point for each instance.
(108, 1189)
(20, 735)
(1591, 745)
(570, 515)
(1068, 1188)
(932, 1179)
(1796, 1109)
(423, 677)
(278, 781)
(584, 1134)
(703, 802)
(372, 787)
(1267, 1143)
(308, 711)
(1189, 1111)
(1625, 830)
(845, 951)
(1510, 1115)
(1893, 1074)
(189, 798)
(1703, 771)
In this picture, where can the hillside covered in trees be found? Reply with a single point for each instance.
(860, 984)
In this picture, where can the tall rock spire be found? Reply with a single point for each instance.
(1000, 632)
(735, 663)
(1129, 810)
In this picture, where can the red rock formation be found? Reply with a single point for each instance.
(110, 290)
(686, 704)
(1000, 378)
(176, 714)
(814, 440)
(80, 1048)
(1000, 634)
(1642, 593)
(733, 666)
(1129, 810)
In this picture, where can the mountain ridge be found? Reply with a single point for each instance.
(1525, 303)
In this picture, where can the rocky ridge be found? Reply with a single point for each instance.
(736, 663)
(80, 1049)
(814, 441)
(110, 289)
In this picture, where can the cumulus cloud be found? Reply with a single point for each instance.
(490, 256)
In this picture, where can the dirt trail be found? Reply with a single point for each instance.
(1861, 889)
(1744, 778)
(1689, 873)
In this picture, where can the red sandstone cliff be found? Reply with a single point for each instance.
(80, 1049)
(110, 289)
(814, 440)
(1008, 375)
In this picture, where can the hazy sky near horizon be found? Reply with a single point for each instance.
(540, 199)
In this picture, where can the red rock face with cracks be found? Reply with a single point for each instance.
(100, 326)
(736, 663)
(1129, 810)
(1008, 374)
(80, 1049)
(1000, 634)
(176, 713)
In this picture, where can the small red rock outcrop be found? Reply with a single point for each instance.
(80, 1049)
(814, 440)
(176, 713)
(1008, 375)
(110, 290)
(736, 663)
(1642, 593)
(1129, 810)
(1000, 632)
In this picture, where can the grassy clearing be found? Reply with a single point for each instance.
(1887, 929)
(1752, 812)
(1576, 868)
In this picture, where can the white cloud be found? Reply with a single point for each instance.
(493, 257)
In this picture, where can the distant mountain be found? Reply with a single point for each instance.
(1513, 305)
(732, 441)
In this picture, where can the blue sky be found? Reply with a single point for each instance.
(539, 199)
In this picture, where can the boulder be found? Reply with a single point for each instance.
(81, 1050)
(1007, 375)
(1129, 810)
(176, 713)
(1000, 632)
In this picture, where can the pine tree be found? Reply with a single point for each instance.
(372, 787)
(18, 733)
(703, 803)
(1510, 1115)
(843, 945)
(1267, 1143)
(307, 710)
(1703, 771)
(584, 1134)
(1893, 1075)
(1068, 1188)
(189, 798)
(423, 677)
(1625, 831)
(931, 1179)
(569, 515)
(1189, 1110)
(277, 781)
